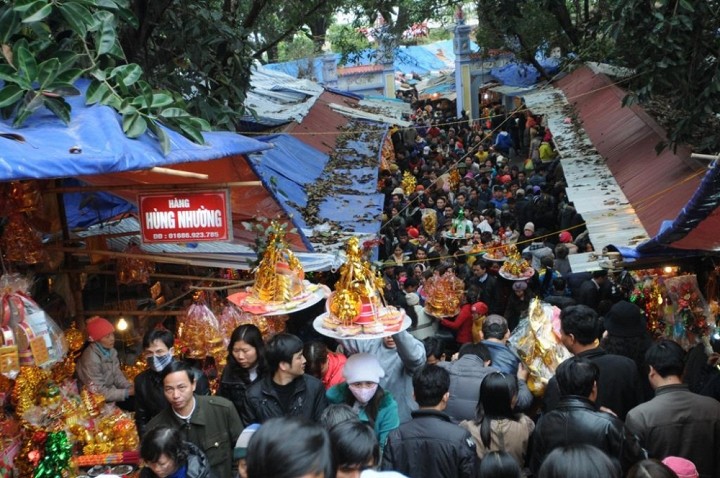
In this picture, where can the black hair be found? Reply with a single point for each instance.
(479, 349)
(494, 330)
(599, 274)
(251, 335)
(561, 251)
(163, 441)
(578, 460)
(582, 322)
(559, 283)
(316, 354)
(178, 366)
(337, 413)
(272, 454)
(576, 376)
(499, 464)
(434, 347)
(281, 348)
(354, 445)
(651, 468)
(164, 335)
(631, 347)
(430, 384)
(497, 391)
(666, 357)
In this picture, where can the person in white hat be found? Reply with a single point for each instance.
(363, 392)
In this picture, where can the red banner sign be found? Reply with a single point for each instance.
(198, 216)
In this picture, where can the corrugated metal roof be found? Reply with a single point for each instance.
(278, 98)
(609, 217)
(656, 186)
(321, 126)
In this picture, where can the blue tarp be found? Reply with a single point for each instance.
(524, 74)
(85, 209)
(97, 132)
(291, 166)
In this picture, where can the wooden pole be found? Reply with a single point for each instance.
(153, 187)
(175, 172)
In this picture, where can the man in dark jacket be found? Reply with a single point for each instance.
(677, 422)
(488, 290)
(430, 445)
(591, 291)
(578, 421)
(149, 397)
(286, 390)
(620, 388)
(209, 422)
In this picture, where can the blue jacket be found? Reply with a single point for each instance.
(387, 417)
(503, 358)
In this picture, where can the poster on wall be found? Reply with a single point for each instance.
(197, 216)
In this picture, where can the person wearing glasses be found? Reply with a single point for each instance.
(209, 422)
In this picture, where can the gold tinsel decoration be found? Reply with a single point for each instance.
(279, 276)
(454, 179)
(27, 386)
(66, 368)
(408, 183)
(357, 282)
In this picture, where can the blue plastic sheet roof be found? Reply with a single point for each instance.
(524, 74)
(291, 166)
(85, 209)
(97, 132)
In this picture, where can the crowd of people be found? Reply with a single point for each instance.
(449, 397)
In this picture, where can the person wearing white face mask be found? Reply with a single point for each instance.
(363, 393)
(149, 397)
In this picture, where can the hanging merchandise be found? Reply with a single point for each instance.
(229, 319)
(650, 294)
(30, 336)
(280, 287)
(20, 242)
(134, 270)
(691, 318)
(199, 333)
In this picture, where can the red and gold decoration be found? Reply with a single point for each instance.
(537, 341)
(134, 269)
(443, 294)
(650, 295)
(689, 321)
(357, 305)
(20, 241)
(515, 267)
(199, 333)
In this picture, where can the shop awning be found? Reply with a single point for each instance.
(93, 143)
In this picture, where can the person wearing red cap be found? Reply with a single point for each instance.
(99, 366)
(567, 239)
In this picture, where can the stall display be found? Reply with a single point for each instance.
(537, 341)
(650, 295)
(134, 269)
(357, 307)
(198, 333)
(691, 315)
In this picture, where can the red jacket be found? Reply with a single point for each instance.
(462, 325)
(334, 373)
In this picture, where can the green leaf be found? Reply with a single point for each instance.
(161, 99)
(77, 16)
(99, 74)
(189, 131)
(174, 113)
(22, 114)
(69, 76)
(33, 100)
(161, 136)
(63, 89)
(9, 25)
(23, 6)
(47, 71)
(687, 5)
(200, 123)
(10, 94)
(134, 125)
(95, 92)
(40, 14)
(127, 74)
(59, 106)
(8, 73)
(107, 4)
(107, 36)
(26, 63)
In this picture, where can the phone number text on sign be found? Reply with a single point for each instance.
(189, 217)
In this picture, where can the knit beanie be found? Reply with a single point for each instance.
(98, 327)
(243, 441)
(363, 367)
(682, 467)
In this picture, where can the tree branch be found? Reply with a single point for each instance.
(288, 32)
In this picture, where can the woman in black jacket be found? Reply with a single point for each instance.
(167, 456)
(245, 364)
